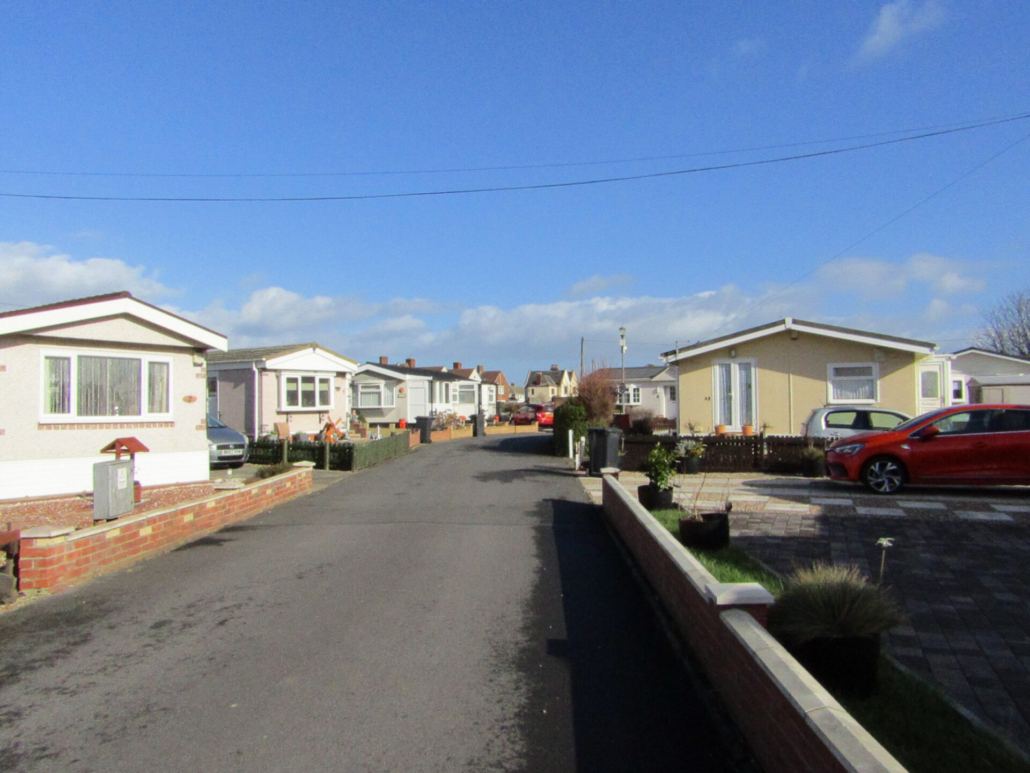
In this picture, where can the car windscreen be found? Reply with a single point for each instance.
(918, 420)
(214, 423)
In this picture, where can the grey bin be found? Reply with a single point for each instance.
(424, 424)
(479, 425)
(603, 443)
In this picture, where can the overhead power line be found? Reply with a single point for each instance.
(507, 188)
(961, 125)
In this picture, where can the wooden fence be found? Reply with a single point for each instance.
(729, 453)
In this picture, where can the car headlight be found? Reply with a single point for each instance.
(849, 449)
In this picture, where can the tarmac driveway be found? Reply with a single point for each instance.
(458, 609)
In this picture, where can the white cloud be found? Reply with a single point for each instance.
(598, 284)
(898, 21)
(33, 274)
(876, 279)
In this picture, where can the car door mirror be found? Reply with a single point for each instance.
(928, 433)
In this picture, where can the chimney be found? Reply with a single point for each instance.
(457, 366)
(555, 367)
(479, 369)
(384, 360)
(410, 362)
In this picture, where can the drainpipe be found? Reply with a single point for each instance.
(257, 399)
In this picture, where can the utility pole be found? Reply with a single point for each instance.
(582, 351)
(622, 346)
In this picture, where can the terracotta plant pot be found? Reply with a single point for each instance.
(747, 429)
(720, 429)
(710, 532)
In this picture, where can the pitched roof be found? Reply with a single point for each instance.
(642, 373)
(253, 354)
(494, 376)
(800, 325)
(109, 305)
(433, 373)
(989, 353)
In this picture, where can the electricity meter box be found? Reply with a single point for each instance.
(113, 493)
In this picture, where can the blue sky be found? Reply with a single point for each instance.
(328, 99)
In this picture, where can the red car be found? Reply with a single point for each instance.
(543, 415)
(962, 445)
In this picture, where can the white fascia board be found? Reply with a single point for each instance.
(72, 315)
(726, 342)
(306, 358)
(865, 339)
(980, 353)
(386, 373)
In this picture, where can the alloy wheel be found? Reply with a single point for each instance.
(884, 476)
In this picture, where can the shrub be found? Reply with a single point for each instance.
(690, 449)
(827, 601)
(659, 467)
(570, 415)
(641, 423)
(597, 397)
(274, 469)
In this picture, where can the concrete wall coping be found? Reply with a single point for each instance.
(738, 594)
(70, 534)
(849, 742)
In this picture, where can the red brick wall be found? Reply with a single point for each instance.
(784, 739)
(53, 563)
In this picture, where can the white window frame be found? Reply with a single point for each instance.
(298, 375)
(963, 397)
(830, 381)
(735, 424)
(636, 395)
(387, 397)
(672, 394)
(145, 360)
(465, 387)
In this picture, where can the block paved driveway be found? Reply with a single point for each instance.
(458, 609)
(960, 567)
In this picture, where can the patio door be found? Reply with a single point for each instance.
(734, 393)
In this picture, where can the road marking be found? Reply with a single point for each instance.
(978, 515)
(1012, 508)
(920, 505)
(785, 507)
(891, 511)
(831, 501)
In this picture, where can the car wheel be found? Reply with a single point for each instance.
(884, 475)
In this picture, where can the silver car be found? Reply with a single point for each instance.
(846, 420)
(229, 448)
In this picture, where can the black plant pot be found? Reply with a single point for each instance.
(711, 532)
(655, 498)
(844, 665)
(690, 465)
(813, 468)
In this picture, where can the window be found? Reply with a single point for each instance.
(852, 382)
(964, 423)
(375, 395)
(467, 393)
(884, 420)
(841, 420)
(93, 386)
(958, 391)
(734, 392)
(307, 392)
(672, 394)
(631, 396)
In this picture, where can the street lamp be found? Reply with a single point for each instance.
(622, 346)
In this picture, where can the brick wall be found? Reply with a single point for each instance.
(791, 723)
(55, 558)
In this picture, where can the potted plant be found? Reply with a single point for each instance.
(747, 430)
(689, 452)
(830, 618)
(708, 530)
(656, 494)
(813, 462)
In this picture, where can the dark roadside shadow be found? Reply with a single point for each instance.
(538, 445)
(633, 706)
(510, 476)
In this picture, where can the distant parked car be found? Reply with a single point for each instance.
(846, 420)
(543, 415)
(228, 447)
(977, 445)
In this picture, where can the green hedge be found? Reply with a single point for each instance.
(570, 415)
(342, 456)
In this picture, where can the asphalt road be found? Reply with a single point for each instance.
(458, 609)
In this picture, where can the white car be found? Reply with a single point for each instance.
(846, 420)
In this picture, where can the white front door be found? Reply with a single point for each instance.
(418, 400)
(933, 386)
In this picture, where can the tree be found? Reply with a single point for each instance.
(597, 397)
(1006, 328)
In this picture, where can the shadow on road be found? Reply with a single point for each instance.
(633, 705)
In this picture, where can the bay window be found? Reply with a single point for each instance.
(375, 395)
(467, 393)
(92, 386)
